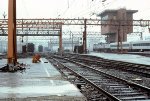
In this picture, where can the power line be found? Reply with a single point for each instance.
(94, 6)
(70, 5)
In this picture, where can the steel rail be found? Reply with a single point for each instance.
(108, 95)
(131, 84)
(140, 69)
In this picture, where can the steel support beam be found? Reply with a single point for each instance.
(60, 41)
(32, 34)
(4, 32)
(54, 23)
(84, 37)
(12, 48)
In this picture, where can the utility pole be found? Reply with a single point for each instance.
(12, 48)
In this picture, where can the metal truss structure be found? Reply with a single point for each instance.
(65, 42)
(56, 23)
(79, 32)
(49, 27)
(51, 35)
(32, 32)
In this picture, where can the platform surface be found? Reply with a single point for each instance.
(123, 57)
(39, 81)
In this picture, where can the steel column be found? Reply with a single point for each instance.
(60, 41)
(72, 40)
(84, 38)
(12, 49)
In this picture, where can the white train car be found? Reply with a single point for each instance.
(125, 46)
(107, 46)
(140, 46)
(134, 46)
(113, 46)
(104, 47)
(101, 47)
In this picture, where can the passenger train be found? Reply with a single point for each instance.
(134, 46)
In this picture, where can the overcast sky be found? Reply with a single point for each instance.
(74, 8)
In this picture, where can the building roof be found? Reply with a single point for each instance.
(115, 11)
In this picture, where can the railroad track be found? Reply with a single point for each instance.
(107, 87)
(125, 70)
(139, 69)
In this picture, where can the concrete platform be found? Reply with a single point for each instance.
(39, 82)
(123, 57)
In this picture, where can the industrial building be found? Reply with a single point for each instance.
(116, 33)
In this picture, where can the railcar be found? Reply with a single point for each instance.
(30, 47)
(101, 47)
(134, 46)
(138, 46)
(125, 46)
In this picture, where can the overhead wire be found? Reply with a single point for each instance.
(75, 5)
(86, 10)
(68, 8)
(90, 9)
(95, 6)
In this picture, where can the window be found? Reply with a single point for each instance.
(142, 44)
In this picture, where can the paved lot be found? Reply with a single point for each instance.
(40, 80)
